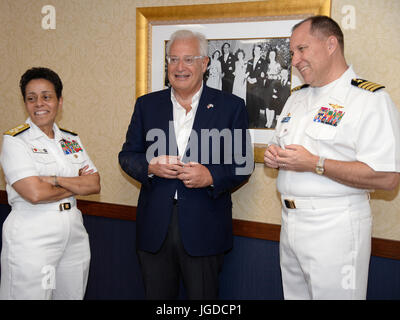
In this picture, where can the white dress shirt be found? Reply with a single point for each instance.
(183, 122)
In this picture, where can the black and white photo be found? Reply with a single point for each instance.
(257, 70)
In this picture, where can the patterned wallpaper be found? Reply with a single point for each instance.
(93, 49)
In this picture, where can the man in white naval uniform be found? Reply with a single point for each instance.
(337, 139)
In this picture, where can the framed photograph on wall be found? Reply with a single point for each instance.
(259, 31)
(257, 70)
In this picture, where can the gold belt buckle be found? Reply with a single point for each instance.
(65, 206)
(290, 204)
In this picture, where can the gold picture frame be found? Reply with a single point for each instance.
(146, 17)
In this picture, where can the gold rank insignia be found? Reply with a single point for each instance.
(366, 85)
(299, 87)
(68, 131)
(17, 130)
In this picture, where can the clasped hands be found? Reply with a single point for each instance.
(294, 157)
(192, 174)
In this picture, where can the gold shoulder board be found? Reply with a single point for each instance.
(366, 85)
(17, 130)
(68, 131)
(299, 87)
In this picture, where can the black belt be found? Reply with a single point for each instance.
(289, 204)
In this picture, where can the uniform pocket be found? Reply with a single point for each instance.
(45, 164)
(76, 157)
(77, 161)
(318, 131)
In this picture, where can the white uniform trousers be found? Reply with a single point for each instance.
(325, 248)
(45, 255)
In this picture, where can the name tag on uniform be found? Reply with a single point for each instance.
(37, 150)
(286, 119)
(70, 147)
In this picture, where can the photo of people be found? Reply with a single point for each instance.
(257, 70)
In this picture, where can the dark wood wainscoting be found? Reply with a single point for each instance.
(380, 247)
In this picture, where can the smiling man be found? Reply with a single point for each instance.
(184, 215)
(337, 139)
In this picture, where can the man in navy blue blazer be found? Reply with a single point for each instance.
(189, 147)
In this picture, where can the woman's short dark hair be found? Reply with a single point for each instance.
(237, 53)
(326, 25)
(41, 73)
(219, 52)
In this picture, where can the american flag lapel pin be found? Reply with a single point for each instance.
(210, 106)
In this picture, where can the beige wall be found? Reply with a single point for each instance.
(93, 50)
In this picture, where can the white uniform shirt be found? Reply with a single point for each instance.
(32, 153)
(365, 127)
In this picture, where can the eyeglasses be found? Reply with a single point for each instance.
(187, 60)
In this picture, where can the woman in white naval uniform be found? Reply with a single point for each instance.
(45, 247)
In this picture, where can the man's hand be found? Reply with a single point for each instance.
(270, 156)
(296, 158)
(165, 166)
(252, 80)
(195, 175)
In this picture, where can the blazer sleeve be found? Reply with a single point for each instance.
(238, 169)
(132, 157)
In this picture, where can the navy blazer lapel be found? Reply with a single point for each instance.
(202, 120)
(166, 112)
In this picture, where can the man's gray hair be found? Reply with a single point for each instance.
(188, 34)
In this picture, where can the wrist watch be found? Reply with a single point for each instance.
(55, 181)
(319, 169)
